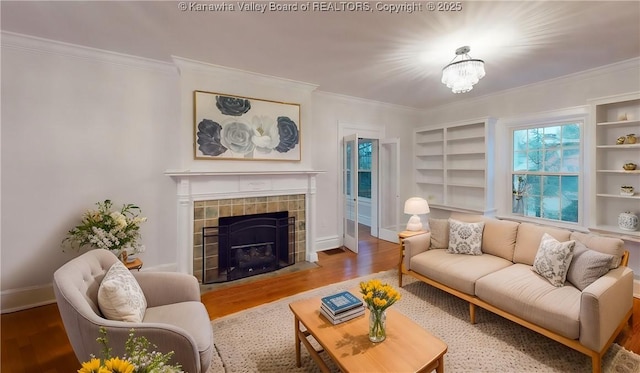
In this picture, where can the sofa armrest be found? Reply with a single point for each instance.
(603, 306)
(415, 245)
(162, 288)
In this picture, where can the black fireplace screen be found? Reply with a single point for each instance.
(247, 245)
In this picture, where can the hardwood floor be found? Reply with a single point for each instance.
(34, 340)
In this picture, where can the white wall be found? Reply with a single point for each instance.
(330, 110)
(80, 126)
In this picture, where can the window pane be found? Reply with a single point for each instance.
(519, 161)
(534, 160)
(364, 184)
(570, 160)
(551, 187)
(570, 193)
(535, 138)
(520, 140)
(551, 208)
(551, 161)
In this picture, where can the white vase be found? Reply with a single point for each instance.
(628, 221)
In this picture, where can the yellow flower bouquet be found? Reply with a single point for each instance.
(378, 297)
(138, 358)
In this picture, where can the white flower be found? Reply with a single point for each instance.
(265, 133)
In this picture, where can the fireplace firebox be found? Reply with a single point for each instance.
(247, 245)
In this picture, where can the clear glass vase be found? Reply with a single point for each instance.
(377, 325)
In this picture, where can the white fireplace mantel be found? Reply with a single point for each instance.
(197, 185)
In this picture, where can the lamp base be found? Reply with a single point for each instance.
(414, 223)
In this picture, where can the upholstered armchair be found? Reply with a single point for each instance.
(175, 318)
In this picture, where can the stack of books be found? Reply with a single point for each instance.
(341, 307)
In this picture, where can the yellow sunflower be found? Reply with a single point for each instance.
(116, 365)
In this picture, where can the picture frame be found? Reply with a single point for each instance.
(230, 127)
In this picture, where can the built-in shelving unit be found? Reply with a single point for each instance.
(615, 117)
(453, 163)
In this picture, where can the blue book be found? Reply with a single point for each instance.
(341, 302)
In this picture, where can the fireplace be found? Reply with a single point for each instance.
(203, 197)
(248, 245)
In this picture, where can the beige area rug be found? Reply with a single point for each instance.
(261, 339)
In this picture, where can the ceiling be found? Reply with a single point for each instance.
(379, 55)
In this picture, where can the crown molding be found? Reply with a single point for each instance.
(33, 44)
(188, 65)
(347, 98)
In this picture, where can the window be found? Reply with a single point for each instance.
(364, 168)
(545, 172)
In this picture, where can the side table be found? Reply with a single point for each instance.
(136, 264)
(401, 236)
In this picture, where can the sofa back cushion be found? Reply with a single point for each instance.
(606, 245)
(528, 241)
(439, 233)
(499, 236)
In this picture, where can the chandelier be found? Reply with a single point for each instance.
(460, 75)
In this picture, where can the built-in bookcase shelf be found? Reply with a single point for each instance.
(614, 118)
(452, 164)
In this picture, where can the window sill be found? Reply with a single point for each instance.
(545, 222)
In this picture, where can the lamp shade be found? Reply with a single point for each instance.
(415, 206)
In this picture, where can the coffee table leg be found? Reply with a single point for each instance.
(440, 368)
(297, 339)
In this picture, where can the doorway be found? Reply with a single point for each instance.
(370, 188)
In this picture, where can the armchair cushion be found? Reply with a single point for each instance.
(119, 295)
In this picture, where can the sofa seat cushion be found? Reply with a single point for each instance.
(190, 316)
(523, 293)
(458, 271)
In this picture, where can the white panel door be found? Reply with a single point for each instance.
(350, 191)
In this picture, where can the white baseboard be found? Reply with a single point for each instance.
(327, 243)
(636, 288)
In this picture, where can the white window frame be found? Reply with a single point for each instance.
(577, 115)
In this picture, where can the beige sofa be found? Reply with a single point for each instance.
(502, 281)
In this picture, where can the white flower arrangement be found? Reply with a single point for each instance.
(118, 231)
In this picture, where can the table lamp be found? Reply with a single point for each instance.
(415, 206)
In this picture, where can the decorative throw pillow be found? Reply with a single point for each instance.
(587, 266)
(120, 296)
(439, 233)
(465, 238)
(553, 259)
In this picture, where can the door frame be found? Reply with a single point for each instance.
(363, 131)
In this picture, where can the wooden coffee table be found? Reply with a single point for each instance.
(407, 348)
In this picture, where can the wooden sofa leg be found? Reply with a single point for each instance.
(596, 363)
(472, 313)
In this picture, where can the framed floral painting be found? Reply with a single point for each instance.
(235, 127)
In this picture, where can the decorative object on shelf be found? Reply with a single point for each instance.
(118, 231)
(235, 127)
(138, 357)
(378, 297)
(626, 190)
(415, 206)
(620, 140)
(629, 166)
(622, 116)
(628, 221)
(631, 138)
(462, 74)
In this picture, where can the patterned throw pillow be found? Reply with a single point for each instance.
(120, 296)
(587, 266)
(465, 238)
(439, 229)
(553, 259)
